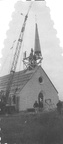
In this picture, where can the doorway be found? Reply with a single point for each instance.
(40, 99)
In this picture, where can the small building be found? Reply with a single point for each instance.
(32, 84)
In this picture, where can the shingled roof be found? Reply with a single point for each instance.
(19, 80)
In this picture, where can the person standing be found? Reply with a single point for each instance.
(59, 107)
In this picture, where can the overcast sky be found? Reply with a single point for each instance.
(50, 26)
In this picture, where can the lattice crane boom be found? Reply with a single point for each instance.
(16, 56)
(19, 43)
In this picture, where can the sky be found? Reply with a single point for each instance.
(51, 14)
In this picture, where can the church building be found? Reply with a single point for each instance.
(32, 85)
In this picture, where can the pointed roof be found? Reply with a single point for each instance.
(37, 48)
(20, 79)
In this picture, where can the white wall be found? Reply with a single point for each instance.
(30, 92)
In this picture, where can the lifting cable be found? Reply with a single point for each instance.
(22, 51)
(6, 58)
(17, 52)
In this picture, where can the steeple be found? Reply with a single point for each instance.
(37, 48)
(35, 57)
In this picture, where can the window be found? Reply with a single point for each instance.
(40, 79)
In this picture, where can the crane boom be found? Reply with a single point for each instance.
(16, 56)
(19, 43)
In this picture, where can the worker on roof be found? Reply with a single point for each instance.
(31, 56)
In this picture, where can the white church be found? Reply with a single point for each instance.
(31, 85)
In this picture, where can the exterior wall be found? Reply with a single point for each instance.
(29, 94)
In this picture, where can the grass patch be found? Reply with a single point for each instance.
(25, 128)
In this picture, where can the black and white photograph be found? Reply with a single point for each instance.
(31, 72)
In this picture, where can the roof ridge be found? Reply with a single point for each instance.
(49, 79)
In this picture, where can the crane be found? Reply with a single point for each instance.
(16, 56)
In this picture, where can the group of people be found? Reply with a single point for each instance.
(59, 106)
(38, 105)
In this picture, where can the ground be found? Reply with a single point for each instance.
(32, 128)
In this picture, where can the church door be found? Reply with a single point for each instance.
(40, 99)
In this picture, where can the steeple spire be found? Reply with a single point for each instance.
(37, 48)
(35, 57)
